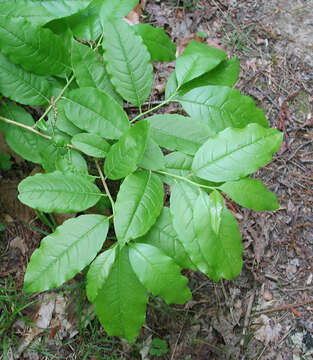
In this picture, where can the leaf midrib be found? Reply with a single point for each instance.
(68, 248)
(232, 152)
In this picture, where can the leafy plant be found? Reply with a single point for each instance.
(159, 347)
(81, 61)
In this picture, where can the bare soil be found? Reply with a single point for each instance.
(266, 313)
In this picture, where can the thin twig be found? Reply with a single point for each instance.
(54, 101)
(285, 307)
(31, 129)
(107, 191)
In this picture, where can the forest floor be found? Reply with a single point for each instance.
(267, 312)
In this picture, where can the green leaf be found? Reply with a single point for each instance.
(128, 62)
(40, 51)
(57, 192)
(99, 271)
(251, 193)
(177, 132)
(90, 71)
(236, 153)
(138, 204)
(62, 122)
(220, 107)
(86, 23)
(34, 12)
(196, 60)
(65, 252)
(5, 163)
(40, 13)
(91, 144)
(157, 42)
(163, 236)
(216, 209)
(21, 141)
(22, 86)
(225, 74)
(158, 347)
(122, 300)
(125, 155)
(171, 85)
(72, 162)
(178, 163)
(222, 251)
(153, 158)
(94, 111)
(159, 273)
(116, 9)
(182, 201)
(63, 8)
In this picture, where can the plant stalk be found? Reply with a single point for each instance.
(185, 179)
(154, 108)
(55, 101)
(107, 191)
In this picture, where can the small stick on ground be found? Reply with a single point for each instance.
(284, 307)
(247, 319)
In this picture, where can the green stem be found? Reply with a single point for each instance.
(185, 179)
(107, 191)
(154, 108)
(31, 129)
(55, 101)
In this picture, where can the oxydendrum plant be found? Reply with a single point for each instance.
(79, 61)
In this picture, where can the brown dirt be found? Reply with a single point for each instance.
(266, 313)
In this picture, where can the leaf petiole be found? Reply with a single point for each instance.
(187, 180)
(154, 108)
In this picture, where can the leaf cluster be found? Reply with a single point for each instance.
(81, 62)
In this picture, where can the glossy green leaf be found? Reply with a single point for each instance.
(220, 107)
(71, 162)
(128, 62)
(178, 163)
(225, 74)
(40, 12)
(86, 23)
(216, 209)
(21, 141)
(153, 158)
(63, 8)
(171, 85)
(39, 50)
(125, 155)
(182, 201)
(223, 251)
(57, 192)
(236, 153)
(197, 59)
(22, 86)
(157, 42)
(91, 144)
(159, 273)
(94, 111)
(64, 253)
(251, 193)
(90, 71)
(121, 302)
(99, 271)
(163, 236)
(138, 204)
(116, 9)
(177, 132)
(61, 121)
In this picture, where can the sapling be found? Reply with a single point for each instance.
(81, 70)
